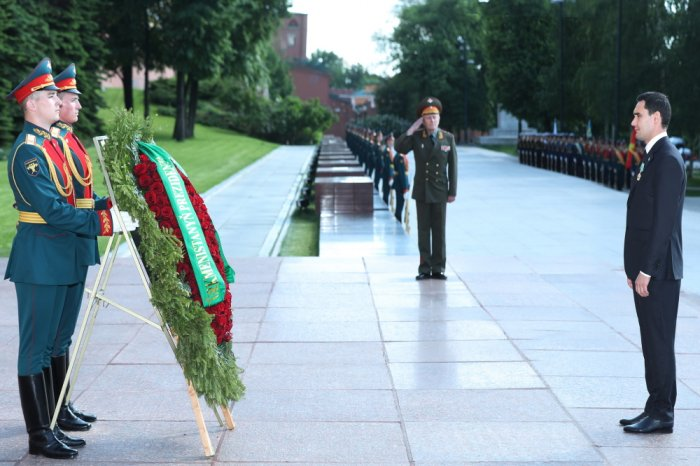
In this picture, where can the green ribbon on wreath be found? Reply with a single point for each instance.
(212, 287)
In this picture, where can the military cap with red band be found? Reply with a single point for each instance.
(65, 80)
(429, 106)
(39, 79)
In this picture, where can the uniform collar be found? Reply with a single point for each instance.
(63, 125)
(31, 128)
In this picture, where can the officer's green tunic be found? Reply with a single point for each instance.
(87, 249)
(43, 261)
(435, 179)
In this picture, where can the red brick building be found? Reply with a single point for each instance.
(312, 83)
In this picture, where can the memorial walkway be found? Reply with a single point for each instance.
(528, 354)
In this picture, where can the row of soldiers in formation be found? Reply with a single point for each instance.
(611, 164)
(382, 164)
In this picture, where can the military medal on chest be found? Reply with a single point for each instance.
(641, 169)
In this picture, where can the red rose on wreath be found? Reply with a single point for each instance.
(158, 202)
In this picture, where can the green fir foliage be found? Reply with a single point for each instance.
(211, 369)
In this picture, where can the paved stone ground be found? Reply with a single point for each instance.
(528, 354)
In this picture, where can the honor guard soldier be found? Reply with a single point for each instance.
(387, 167)
(43, 261)
(434, 184)
(378, 157)
(81, 170)
(401, 184)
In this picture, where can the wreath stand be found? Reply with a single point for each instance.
(96, 296)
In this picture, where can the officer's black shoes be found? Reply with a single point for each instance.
(84, 416)
(649, 425)
(42, 441)
(73, 442)
(422, 276)
(438, 276)
(634, 420)
(68, 420)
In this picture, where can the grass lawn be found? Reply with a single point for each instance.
(302, 235)
(211, 157)
(509, 149)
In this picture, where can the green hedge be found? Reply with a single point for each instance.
(287, 120)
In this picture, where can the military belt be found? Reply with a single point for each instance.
(30, 217)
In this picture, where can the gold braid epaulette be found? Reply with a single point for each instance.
(64, 191)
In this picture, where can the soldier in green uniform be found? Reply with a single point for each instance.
(434, 184)
(388, 167)
(81, 169)
(43, 261)
(378, 158)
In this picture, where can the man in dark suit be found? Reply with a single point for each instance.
(654, 258)
(434, 184)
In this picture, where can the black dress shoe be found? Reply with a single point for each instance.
(422, 276)
(84, 416)
(634, 420)
(438, 276)
(70, 422)
(649, 425)
(68, 441)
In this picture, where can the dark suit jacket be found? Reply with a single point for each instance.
(436, 166)
(653, 240)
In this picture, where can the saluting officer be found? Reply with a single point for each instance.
(43, 261)
(81, 170)
(434, 184)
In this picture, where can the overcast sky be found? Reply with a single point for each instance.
(348, 27)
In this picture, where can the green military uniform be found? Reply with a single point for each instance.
(43, 261)
(88, 253)
(435, 179)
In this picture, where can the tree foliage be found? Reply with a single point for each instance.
(66, 31)
(520, 56)
(425, 45)
(343, 77)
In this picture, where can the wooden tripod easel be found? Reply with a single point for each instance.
(96, 297)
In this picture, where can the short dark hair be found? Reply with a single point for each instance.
(657, 102)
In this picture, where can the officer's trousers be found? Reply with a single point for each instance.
(69, 317)
(39, 310)
(399, 204)
(431, 217)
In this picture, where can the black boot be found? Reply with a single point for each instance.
(51, 403)
(84, 416)
(42, 441)
(67, 420)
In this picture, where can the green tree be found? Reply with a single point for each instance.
(66, 31)
(425, 46)
(590, 60)
(520, 54)
(279, 81)
(684, 69)
(332, 63)
(20, 50)
(74, 37)
(197, 35)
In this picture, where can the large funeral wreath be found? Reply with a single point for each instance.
(196, 307)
